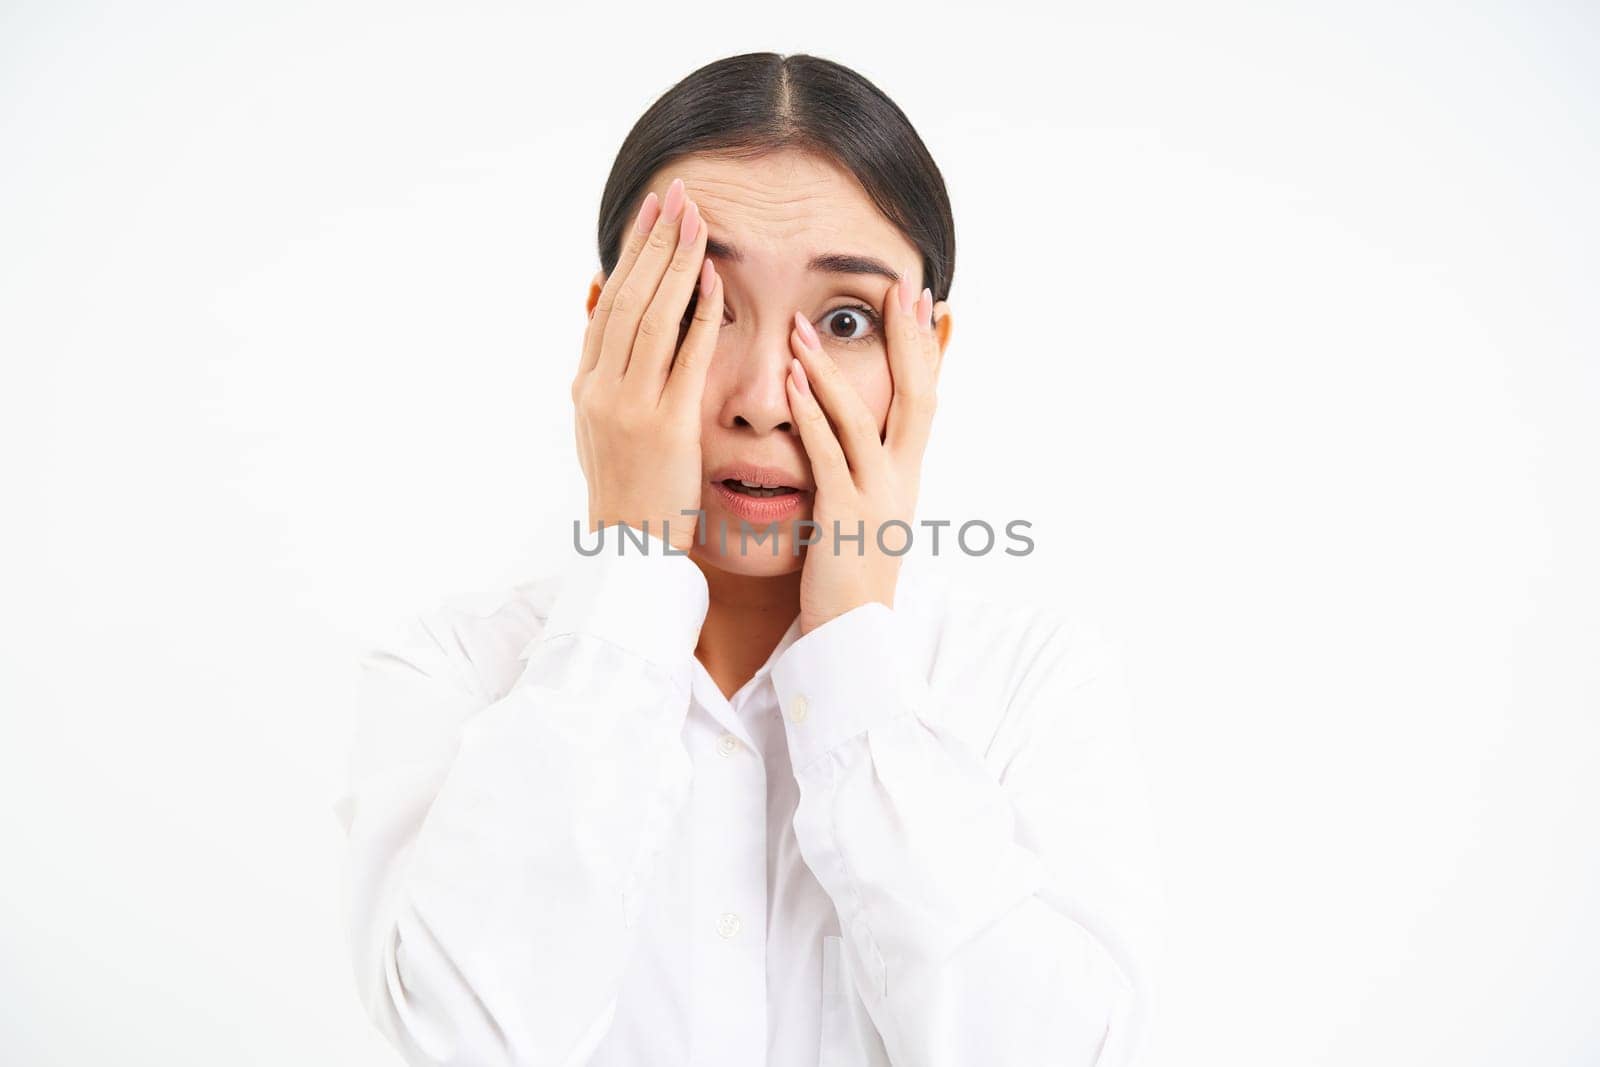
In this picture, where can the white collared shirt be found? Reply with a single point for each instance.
(917, 836)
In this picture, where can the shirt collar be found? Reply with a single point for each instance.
(540, 595)
(790, 636)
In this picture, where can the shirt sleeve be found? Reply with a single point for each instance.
(498, 848)
(1009, 916)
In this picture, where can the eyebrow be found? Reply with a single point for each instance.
(827, 262)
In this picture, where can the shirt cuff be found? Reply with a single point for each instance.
(843, 678)
(646, 601)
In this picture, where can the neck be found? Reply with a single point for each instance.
(746, 618)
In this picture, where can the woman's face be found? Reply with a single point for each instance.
(788, 232)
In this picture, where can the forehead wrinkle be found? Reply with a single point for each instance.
(780, 209)
(765, 209)
(773, 219)
(760, 180)
(819, 227)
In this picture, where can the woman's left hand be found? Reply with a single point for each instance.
(863, 481)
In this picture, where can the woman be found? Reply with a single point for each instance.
(713, 799)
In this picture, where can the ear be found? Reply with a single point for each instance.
(941, 326)
(595, 285)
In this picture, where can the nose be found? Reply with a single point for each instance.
(757, 400)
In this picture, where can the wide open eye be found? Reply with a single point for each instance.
(850, 324)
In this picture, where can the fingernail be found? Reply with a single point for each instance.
(707, 272)
(807, 333)
(691, 225)
(672, 207)
(800, 376)
(647, 213)
(905, 296)
(927, 307)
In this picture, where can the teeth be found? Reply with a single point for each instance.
(757, 489)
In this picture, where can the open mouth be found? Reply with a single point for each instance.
(755, 489)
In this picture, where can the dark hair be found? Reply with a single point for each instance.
(748, 105)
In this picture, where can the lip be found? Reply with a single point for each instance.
(761, 511)
(751, 472)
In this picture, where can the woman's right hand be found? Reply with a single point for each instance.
(637, 407)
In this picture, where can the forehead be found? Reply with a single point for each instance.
(783, 207)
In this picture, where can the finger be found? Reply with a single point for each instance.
(639, 287)
(662, 323)
(686, 378)
(911, 365)
(828, 468)
(638, 234)
(854, 425)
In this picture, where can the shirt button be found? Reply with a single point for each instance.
(798, 708)
(728, 925)
(727, 745)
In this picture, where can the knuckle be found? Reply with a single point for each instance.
(651, 325)
(623, 301)
(662, 238)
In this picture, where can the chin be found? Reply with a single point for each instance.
(762, 565)
(758, 560)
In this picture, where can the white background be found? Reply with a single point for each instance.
(1280, 326)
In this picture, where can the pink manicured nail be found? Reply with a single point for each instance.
(905, 296)
(800, 377)
(672, 206)
(647, 213)
(807, 333)
(691, 225)
(707, 273)
(925, 305)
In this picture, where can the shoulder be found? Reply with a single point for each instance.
(472, 640)
(1005, 668)
(1011, 640)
